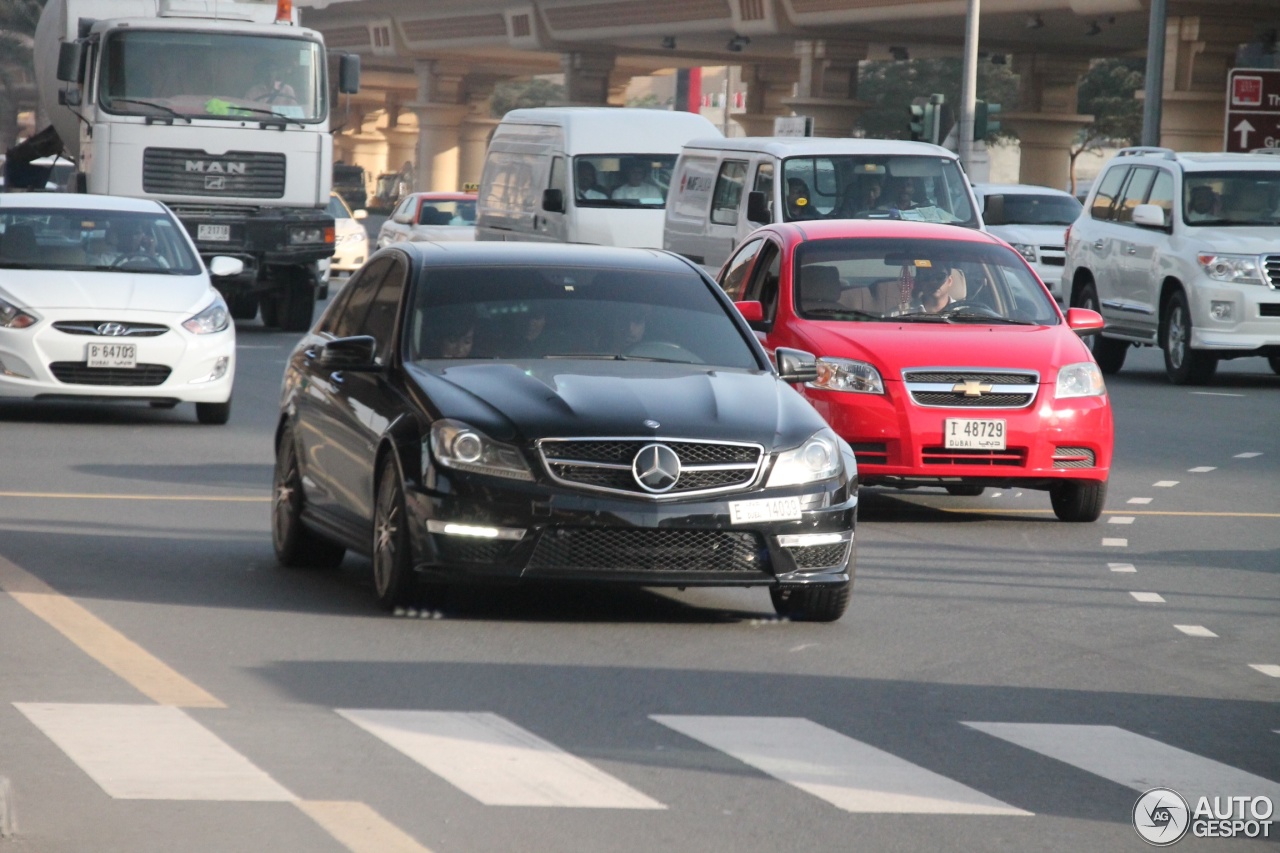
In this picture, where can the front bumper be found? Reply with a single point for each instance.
(1241, 320)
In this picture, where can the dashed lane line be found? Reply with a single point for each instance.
(1115, 543)
(1195, 630)
(1148, 597)
(1122, 567)
(1139, 500)
(1120, 519)
(1270, 669)
(1203, 469)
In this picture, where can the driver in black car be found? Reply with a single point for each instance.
(931, 291)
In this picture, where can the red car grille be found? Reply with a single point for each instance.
(1013, 457)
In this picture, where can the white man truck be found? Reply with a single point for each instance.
(219, 109)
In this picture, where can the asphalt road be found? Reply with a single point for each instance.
(1002, 680)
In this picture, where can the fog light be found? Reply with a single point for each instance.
(5, 370)
(809, 540)
(478, 531)
(219, 370)
(1221, 310)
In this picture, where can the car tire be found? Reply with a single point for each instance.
(1078, 501)
(1184, 365)
(213, 414)
(297, 301)
(964, 490)
(1109, 353)
(295, 544)
(825, 603)
(394, 581)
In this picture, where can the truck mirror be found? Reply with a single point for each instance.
(70, 68)
(349, 74)
(69, 97)
(758, 208)
(553, 201)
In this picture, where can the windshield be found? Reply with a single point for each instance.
(1231, 198)
(915, 187)
(86, 239)
(188, 74)
(622, 180)
(925, 280)
(573, 312)
(1026, 209)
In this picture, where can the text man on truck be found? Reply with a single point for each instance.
(220, 110)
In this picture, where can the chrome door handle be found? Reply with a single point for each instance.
(1133, 250)
(1098, 245)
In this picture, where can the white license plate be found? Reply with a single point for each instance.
(974, 433)
(213, 232)
(113, 355)
(767, 509)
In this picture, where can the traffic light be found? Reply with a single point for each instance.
(985, 120)
(926, 119)
(918, 132)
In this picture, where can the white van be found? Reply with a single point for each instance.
(582, 174)
(723, 189)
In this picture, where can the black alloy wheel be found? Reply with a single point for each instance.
(394, 582)
(1108, 352)
(296, 545)
(1078, 501)
(1185, 366)
(825, 603)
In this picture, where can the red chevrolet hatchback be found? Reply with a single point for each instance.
(943, 360)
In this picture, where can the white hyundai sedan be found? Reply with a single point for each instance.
(106, 298)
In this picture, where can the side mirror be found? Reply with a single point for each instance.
(993, 210)
(70, 64)
(360, 214)
(402, 218)
(758, 208)
(795, 365)
(349, 74)
(69, 97)
(553, 201)
(752, 312)
(221, 266)
(358, 353)
(1084, 321)
(1149, 216)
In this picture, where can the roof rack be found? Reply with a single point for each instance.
(1134, 151)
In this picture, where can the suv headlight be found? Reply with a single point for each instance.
(457, 445)
(1027, 250)
(816, 460)
(1083, 379)
(215, 318)
(1236, 269)
(13, 317)
(845, 374)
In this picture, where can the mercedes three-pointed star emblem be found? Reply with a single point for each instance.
(656, 468)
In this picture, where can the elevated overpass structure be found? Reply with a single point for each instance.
(430, 68)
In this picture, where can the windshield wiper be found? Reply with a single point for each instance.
(987, 318)
(842, 314)
(16, 265)
(922, 316)
(170, 110)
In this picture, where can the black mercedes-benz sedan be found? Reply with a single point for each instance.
(504, 411)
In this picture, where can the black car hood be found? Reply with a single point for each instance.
(525, 401)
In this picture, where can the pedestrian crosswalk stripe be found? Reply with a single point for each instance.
(497, 762)
(151, 752)
(849, 774)
(1132, 760)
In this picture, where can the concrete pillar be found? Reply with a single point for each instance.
(1199, 52)
(587, 77)
(767, 87)
(440, 117)
(400, 138)
(827, 87)
(1047, 122)
(475, 129)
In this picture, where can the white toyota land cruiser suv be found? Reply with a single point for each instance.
(1181, 251)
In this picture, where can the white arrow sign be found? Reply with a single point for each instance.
(1244, 129)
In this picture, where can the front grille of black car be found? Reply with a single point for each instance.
(971, 389)
(79, 373)
(469, 549)
(820, 556)
(1014, 456)
(605, 465)
(1073, 457)
(1272, 265)
(236, 174)
(126, 330)
(651, 550)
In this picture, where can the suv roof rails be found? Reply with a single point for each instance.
(1135, 150)
(1275, 151)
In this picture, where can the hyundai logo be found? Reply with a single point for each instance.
(113, 330)
(656, 468)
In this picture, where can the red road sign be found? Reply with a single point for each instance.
(1253, 109)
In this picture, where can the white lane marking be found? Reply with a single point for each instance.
(1121, 567)
(1115, 543)
(497, 762)
(359, 828)
(1129, 759)
(152, 752)
(1148, 597)
(1120, 519)
(1214, 394)
(1195, 630)
(1246, 455)
(849, 774)
(1165, 484)
(1203, 469)
(1139, 500)
(1267, 669)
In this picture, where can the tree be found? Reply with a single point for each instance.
(889, 87)
(514, 94)
(1106, 92)
(18, 20)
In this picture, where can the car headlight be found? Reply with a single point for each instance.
(816, 460)
(1080, 380)
(845, 374)
(13, 317)
(454, 444)
(215, 318)
(1027, 250)
(1236, 269)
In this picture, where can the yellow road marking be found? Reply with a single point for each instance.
(148, 674)
(87, 496)
(359, 828)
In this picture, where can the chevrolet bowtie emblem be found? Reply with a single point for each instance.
(971, 388)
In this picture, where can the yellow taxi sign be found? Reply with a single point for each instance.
(470, 187)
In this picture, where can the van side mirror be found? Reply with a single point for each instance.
(69, 97)
(349, 73)
(758, 208)
(993, 210)
(70, 65)
(553, 201)
(1149, 215)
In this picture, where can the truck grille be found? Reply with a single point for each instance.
(236, 174)
(962, 388)
(649, 550)
(606, 465)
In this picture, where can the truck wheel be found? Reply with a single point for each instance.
(244, 306)
(297, 302)
(1184, 365)
(1108, 352)
(270, 303)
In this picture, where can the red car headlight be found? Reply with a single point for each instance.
(845, 374)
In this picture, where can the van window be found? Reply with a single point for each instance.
(557, 180)
(923, 188)
(728, 192)
(764, 182)
(622, 180)
(509, 183)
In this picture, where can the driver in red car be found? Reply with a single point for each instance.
(931, 291)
